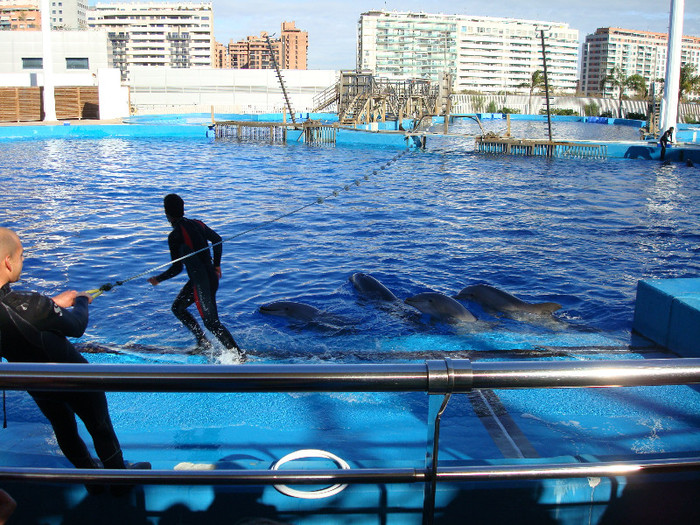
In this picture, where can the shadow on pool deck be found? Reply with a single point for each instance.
(43, 504)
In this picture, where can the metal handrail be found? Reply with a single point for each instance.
(357, 475)
(435, 377)
(430, 376)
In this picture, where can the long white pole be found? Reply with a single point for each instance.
(669, 109)
(47, 62)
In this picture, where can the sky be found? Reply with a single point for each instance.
(332, 24)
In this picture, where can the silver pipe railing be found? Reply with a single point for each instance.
(435, 377)
(355, 475)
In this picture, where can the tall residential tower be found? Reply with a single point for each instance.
(484, 54)
(634, 52)
(178, 35)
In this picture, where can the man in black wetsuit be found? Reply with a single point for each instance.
(189, 236)
(33, 328)
(665, 140)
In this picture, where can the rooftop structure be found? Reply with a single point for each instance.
(177, 35)
(489, 55)
(634, 52)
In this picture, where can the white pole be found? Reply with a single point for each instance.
(47, 62)
(669, 105)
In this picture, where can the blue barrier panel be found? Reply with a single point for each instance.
(659, 316)
(684, 329)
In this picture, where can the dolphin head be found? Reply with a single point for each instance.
(545, 308)
(466, 293)
(440, 306)
(290, 309)
(371, 287)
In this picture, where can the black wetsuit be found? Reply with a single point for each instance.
(190, 236)
(664, 141)
(34, 329)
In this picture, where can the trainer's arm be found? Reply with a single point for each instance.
(175, 268)
(66, 314)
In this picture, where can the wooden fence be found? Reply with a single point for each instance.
(25, 104)
(20, 104)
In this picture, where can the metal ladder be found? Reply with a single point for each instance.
(279, 77)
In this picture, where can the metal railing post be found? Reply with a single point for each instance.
(441, 380)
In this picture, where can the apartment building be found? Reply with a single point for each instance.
(68, 14)
(20, 15)
(295, 47)
(484, 54)
(499, 55)
(290, 50)
(402, 46)
(25, 15)
(634, 52)
(253, 52)
(177, 35)
(221, 57)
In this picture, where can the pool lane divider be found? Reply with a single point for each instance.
(96, 292)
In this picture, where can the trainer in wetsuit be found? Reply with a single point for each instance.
(665, 140)
(33, 328)
(190, 236)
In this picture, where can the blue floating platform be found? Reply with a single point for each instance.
(667, 311)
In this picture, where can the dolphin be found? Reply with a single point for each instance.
(502, 301)
(441, 307)
(371, 288)
(292, 310)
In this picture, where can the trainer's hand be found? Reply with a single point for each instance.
(217, 269)
(153, 281)
(66, 299)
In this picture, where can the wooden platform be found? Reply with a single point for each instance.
(275, 132)
(539, 148)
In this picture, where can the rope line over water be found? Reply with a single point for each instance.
(319, 200)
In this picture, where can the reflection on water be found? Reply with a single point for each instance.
(580, 233)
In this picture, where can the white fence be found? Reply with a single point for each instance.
(532, 105)
(166, 90)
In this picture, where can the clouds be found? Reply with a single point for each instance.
(332, 24)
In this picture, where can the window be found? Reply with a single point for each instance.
(32, 63)
(77, 63)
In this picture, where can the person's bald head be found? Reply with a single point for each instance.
(9, 242)
(11, 256)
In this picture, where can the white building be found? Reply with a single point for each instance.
(79, 58)
(21, 52)
(488, 55)
(634, 52)
(68, 14)
(402, 46)
(177, 35)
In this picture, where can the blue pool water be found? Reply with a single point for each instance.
(576, 232)
(580, 233)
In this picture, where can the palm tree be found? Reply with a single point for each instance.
(618, 79)
(536, 82)
(689, 83)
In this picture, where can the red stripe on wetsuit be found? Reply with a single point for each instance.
(188, 242)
